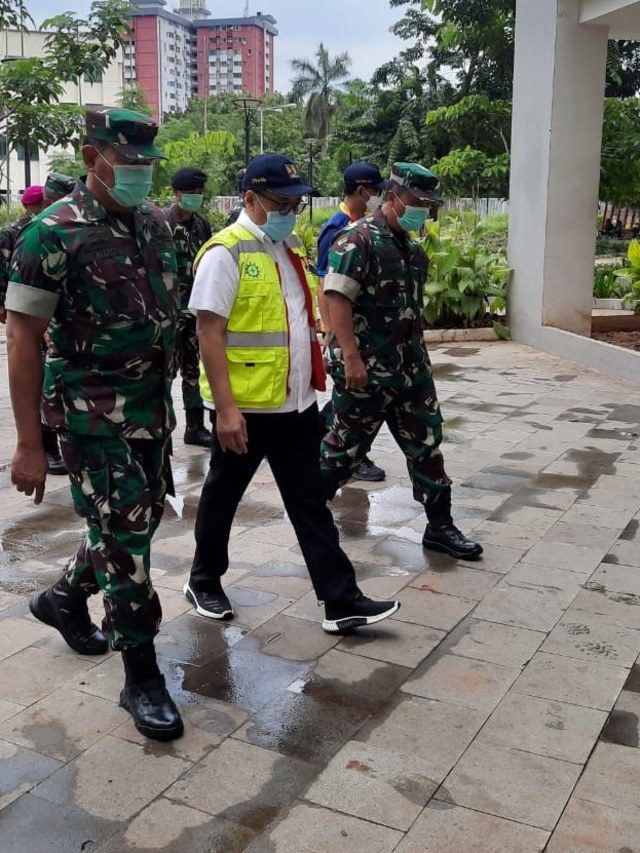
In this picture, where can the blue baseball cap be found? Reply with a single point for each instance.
(363, 174)
(277, 173)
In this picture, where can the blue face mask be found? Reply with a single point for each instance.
(413, 218)
(279, 226)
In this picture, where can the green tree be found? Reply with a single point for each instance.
(209, 151)
(620, 162)
(317, 86)
(133, 98)
(31, 88)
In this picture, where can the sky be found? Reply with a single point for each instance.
(360, 27)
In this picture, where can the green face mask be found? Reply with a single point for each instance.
(131, 184)
(191, 202)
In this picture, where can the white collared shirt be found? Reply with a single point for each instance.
(215, 287)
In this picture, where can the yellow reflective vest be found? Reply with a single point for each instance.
(257, 336)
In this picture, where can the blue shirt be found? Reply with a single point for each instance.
(330, 230)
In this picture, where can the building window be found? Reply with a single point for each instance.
(33, 151)
(93, 78)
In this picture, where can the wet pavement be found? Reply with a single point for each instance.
(497, 712)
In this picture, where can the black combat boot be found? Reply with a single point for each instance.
(145, 695)
(55, 462)
(441, 534)
(65, 609)
(196, 432)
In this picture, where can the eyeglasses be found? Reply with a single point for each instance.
(286, 205)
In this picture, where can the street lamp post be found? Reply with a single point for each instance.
(248, 107)
(274, 109)
(311, 142)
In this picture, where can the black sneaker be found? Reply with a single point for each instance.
(213, 605)
(449, 540)
(369, 471)
(343, 616)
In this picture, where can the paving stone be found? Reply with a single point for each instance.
(375, 784)
(63, 724)
(502, 644)
(458, 580)
(514, 535)
(564, 679)
(443, 828)
(393, 641)
(537, 608)
(591, 637)
(573, 558)
(32, 673)
(591, 828)
(531, 576)
(7, 600)
(545, 727)
(436, 732)
(614, 519)
(310, 829)
(617, 578)
(574, 533)
(35, 825)
(113, 779)
(21, 770)
(289, 638)
(221, 785)
(17, 634)
(618, 608)
(611, 778)
(9, 709)
(432, 609)
(174, 828)
(490, 779)
(473, 684)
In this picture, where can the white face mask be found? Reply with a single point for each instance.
(373, 203)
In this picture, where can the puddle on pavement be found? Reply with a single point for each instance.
(564, 377)
(461, 352)
(275, 569)
(536, 425)
(625, 414)
(562, 481)
(498, 479)
(517, 456)
(611, 434)
(631, 531)
(591, 462)
(632, 684)
(621, 728)
(258, 513)
(450, 372)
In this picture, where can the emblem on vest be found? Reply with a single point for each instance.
(252, 270)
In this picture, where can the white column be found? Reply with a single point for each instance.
(555, 164)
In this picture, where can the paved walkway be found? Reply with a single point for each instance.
(498, 711)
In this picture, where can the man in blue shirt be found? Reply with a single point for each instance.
(363, 188)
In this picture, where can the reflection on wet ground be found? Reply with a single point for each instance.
(524, 447)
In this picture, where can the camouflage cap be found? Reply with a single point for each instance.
(131, 134)
(58, 186)
(421, 182)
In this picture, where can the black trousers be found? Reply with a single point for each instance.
(289, 442)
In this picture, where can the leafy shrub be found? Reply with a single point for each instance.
(630, 277)
(468, 270)
(10, 214)
(607, 284)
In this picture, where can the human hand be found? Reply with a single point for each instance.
(355, 372)
(231, 429)
(29, 471)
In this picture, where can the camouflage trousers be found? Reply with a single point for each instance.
(188, 360)
(118, 486)
(413, 416)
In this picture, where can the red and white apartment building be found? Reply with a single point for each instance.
(176, 56)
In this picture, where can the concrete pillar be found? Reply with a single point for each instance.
(555, 165)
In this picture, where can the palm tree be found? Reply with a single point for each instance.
(319, 84)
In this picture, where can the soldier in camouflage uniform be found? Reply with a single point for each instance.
(190, 232)
(99, 269)
(379, 361)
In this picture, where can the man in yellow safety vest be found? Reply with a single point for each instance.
(260, 365)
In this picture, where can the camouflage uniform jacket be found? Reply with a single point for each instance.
(383, 275)
(189, 236)
(108, 287)
(8, 237)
